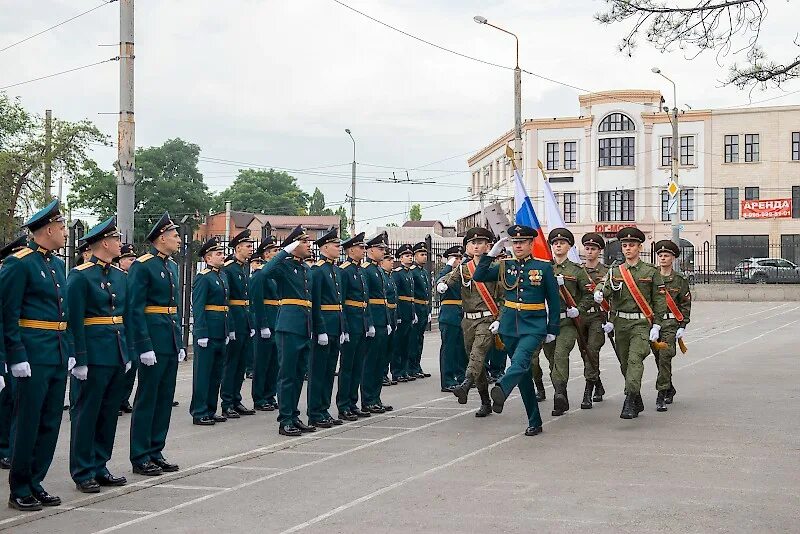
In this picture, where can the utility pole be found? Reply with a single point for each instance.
(353, 187)
(227, 221)
(126, 133)
(48, 156)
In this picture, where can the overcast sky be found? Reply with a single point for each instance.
(275, 83)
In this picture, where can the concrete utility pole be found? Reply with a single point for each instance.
(674, 217)
(126, 133)
(353, 188)
(227, 221)
(48, 156)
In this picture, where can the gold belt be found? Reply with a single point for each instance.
(356, 303)
(533, 306)
(380, 302)
(269, 302)
(214, 307)
(330, 307)
(420, 301)
(405, 298)
(453, 302)
(235, 302)
(391, 306)
(296, 302)
(114, 319)
(166, 310)
(43, 325)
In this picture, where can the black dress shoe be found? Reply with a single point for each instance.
(206, 420)
(249, 375)
(5, 463)
(119, 413)
(375, 408)
(46, 499)
(304, 427)
(421, 375)
(324, 423)
(387, 407)
(88, 486)
(348, 416)
(402, 379)
(126, 407)
(241, 409)
(448, 389)
(336, 422)
(393, 382)
(110, 480)
(219, 418)
(148, 469)
(165, 465)
(425, 375)
(498, 399)
(533, 430)
(288, 430)
(387, 382)
(263, 407)
(411, 378)
(24, 504)
(175, 403)
(272, 407)
(230, 413)
(360, 413)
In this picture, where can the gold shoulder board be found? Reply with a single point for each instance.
(144, 258)
(84, 265)
(22, 252)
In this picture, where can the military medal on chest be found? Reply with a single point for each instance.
(535, 276)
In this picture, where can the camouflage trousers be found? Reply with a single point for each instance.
(477, 340)
(595, 339)
(557, 354)
(633, 346)
(664, 356)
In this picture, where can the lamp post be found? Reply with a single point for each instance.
(517, 94)
(676, 229)
(353, 187)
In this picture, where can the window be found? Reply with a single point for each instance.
(731, 149)
(796, 201)
(616, 205)
(751, 147)
(731, 202)
(552, 156)
(617, 151)
(732, 249)
(665, 205)
(790, 247)
(751, 193)
(687, 150)
(570, 155)
(666, 151)
(687, 204)
(560, 179)
(795, 146)
(570, 207)
(617, 122)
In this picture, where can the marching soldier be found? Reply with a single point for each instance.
(634, 289)
(452, 352)
(293, 327)
(530, 315)
(210, 308)
(264, 306)
(359, 329)
(575, 300)
(329, 330)
(38, 347)
(155, 323)
(678, 298)
(387, 264)
(378, 345)
(595, 321)
(481, 313)
(96, 291)
(405, 335)
(126, 258)
(422, 308)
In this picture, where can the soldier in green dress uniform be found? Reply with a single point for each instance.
(155, 324)
(264, 306)
(595, 321)
(405, 335)
(37, 348)
(422, 308)
(452, 354)
(126, 258)
(387, 264)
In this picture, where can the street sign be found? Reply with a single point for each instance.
(672, 207)
(672, 188)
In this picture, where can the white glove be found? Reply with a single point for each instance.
(430, 317)
(415, 320)
(2, 383)
(128, 367)
(81, 372)
(441, 287)
(608, 327)
(598, 296)
(21, 370)
(371, 331)
(560, 279)
(232, 336)
(452, 261)
(342, 338)
(679, 333)
(549, 338)
(227, 340)
(266, 333)
(494, 327)
(70, 363)
(252, 332)
(202, 342)
(499, 247)
(388, 330)
(291, 246)
(322, 339)
(148, 358)
(573, 312)
(347, 337)
(181, 355)
(654, 332)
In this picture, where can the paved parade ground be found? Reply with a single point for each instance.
(724, 458)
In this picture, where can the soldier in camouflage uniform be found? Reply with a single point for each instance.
(594, 321)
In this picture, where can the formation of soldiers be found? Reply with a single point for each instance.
(275, 315)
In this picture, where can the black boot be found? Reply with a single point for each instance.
(462, 390)
(586, 403)
(599, 391)
(628, 410)
(669, 394)
(486, 404)
(540, 394)
(638, 403)
(560, 400)
(661, 406)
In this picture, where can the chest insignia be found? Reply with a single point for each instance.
(42, 273)
(535, 276)
(216, 282)
(162, 274)
(102, 285)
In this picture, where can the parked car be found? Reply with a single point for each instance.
(766, 271)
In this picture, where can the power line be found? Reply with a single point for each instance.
(117, 58)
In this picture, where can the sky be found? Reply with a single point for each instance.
(275, 83)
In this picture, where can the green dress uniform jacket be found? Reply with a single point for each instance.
(452, 354)
(378, 346)
(359, 321)
(240, 322)
(404, 281)
(264, 306)
(391, 303)
(422, 307)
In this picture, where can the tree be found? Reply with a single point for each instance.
(258, 191)
(94, 189)
(343, 221)
(316, 206)
(415, 213)
(706, 25)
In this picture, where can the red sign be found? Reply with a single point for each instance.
(612, 229)
(767, 209)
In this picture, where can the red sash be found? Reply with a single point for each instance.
(627, 277)
(673, 307)
(483, 291)
(592, 287)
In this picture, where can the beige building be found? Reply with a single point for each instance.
(609, 167)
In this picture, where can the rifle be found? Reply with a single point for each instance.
(605, 307)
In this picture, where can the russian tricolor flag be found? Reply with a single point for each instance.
(526, 215)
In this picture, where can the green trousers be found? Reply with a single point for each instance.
(557, 354)
(293, 353)
(93, 418)
(595, 339)
(206, 377)
(6, 413)
(234, 369)
(519, 374)
(452, 355)
(664, 357)
(416, 344)
(351, 369)
(633, 346)
(479, 341)
(152, 408)
(497, 360)
(320, 379)
(130, 378)
(372, 379)
(265, 371)
(38, 408)
(404, 337)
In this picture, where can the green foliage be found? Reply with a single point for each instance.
(415, 213)
(343, 222)
(258, 191)
(94, 189)
(316, 206)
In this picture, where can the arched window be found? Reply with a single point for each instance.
(617, 122)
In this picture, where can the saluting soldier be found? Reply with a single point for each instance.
(240, 327)
(678, 299)
(38, 348)
(452, 354)
(359, 329)
(635, 291)
(595, 321)
(422, 307)
(97, 294)
(210, 295)
(387, 264)
(155, 323)
(6, 380)
(264, 306)
(126, 258)
(530, 315)
(330, 330)
(293, 327)
(405, 335)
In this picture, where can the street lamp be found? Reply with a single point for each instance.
(676, 230)
(353, 187)
(517, 93)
